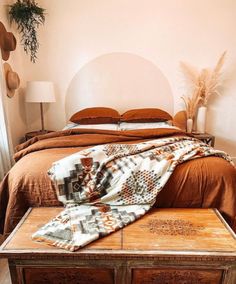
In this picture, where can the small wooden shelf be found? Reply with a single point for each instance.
(32, 134)
(205, 137)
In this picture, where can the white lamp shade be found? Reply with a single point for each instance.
(40, 92)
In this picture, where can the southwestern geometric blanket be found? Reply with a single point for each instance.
(107, 187)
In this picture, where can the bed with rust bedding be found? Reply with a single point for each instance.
(207, 182)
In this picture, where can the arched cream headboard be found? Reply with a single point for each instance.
(119, 80)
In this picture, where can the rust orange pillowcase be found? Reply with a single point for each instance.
(96, 115)
(146, 115)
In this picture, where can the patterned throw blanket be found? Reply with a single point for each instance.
(107, 187)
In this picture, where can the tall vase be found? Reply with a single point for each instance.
(189, 125)
(201, 119)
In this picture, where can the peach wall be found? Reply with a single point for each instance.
(164, 32)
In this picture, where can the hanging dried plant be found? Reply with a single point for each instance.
(28, 16)
(203, 84)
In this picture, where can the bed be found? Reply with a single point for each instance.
(207, 182)
(122, 81)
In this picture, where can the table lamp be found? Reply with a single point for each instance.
(40, 92)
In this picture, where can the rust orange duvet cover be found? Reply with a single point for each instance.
(207, 182)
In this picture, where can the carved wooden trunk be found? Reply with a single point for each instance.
(167, 246)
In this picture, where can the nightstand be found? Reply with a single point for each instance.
(205, 137)
(32, 134)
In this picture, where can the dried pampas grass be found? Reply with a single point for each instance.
(191, 104)
(203, 84)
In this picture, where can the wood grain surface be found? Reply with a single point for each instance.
(171, 246)
(160, 229)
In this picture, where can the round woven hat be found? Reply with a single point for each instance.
(7, 42)
(12, 80)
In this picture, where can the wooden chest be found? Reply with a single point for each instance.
(167, 246)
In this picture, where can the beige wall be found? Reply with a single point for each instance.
(14, 107)
(164, 32)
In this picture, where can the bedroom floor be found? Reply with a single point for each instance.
(4, 272)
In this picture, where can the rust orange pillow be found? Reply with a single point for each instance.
(96, 115)
(146, 115)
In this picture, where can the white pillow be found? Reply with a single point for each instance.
(145, 125)
(105, 126)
